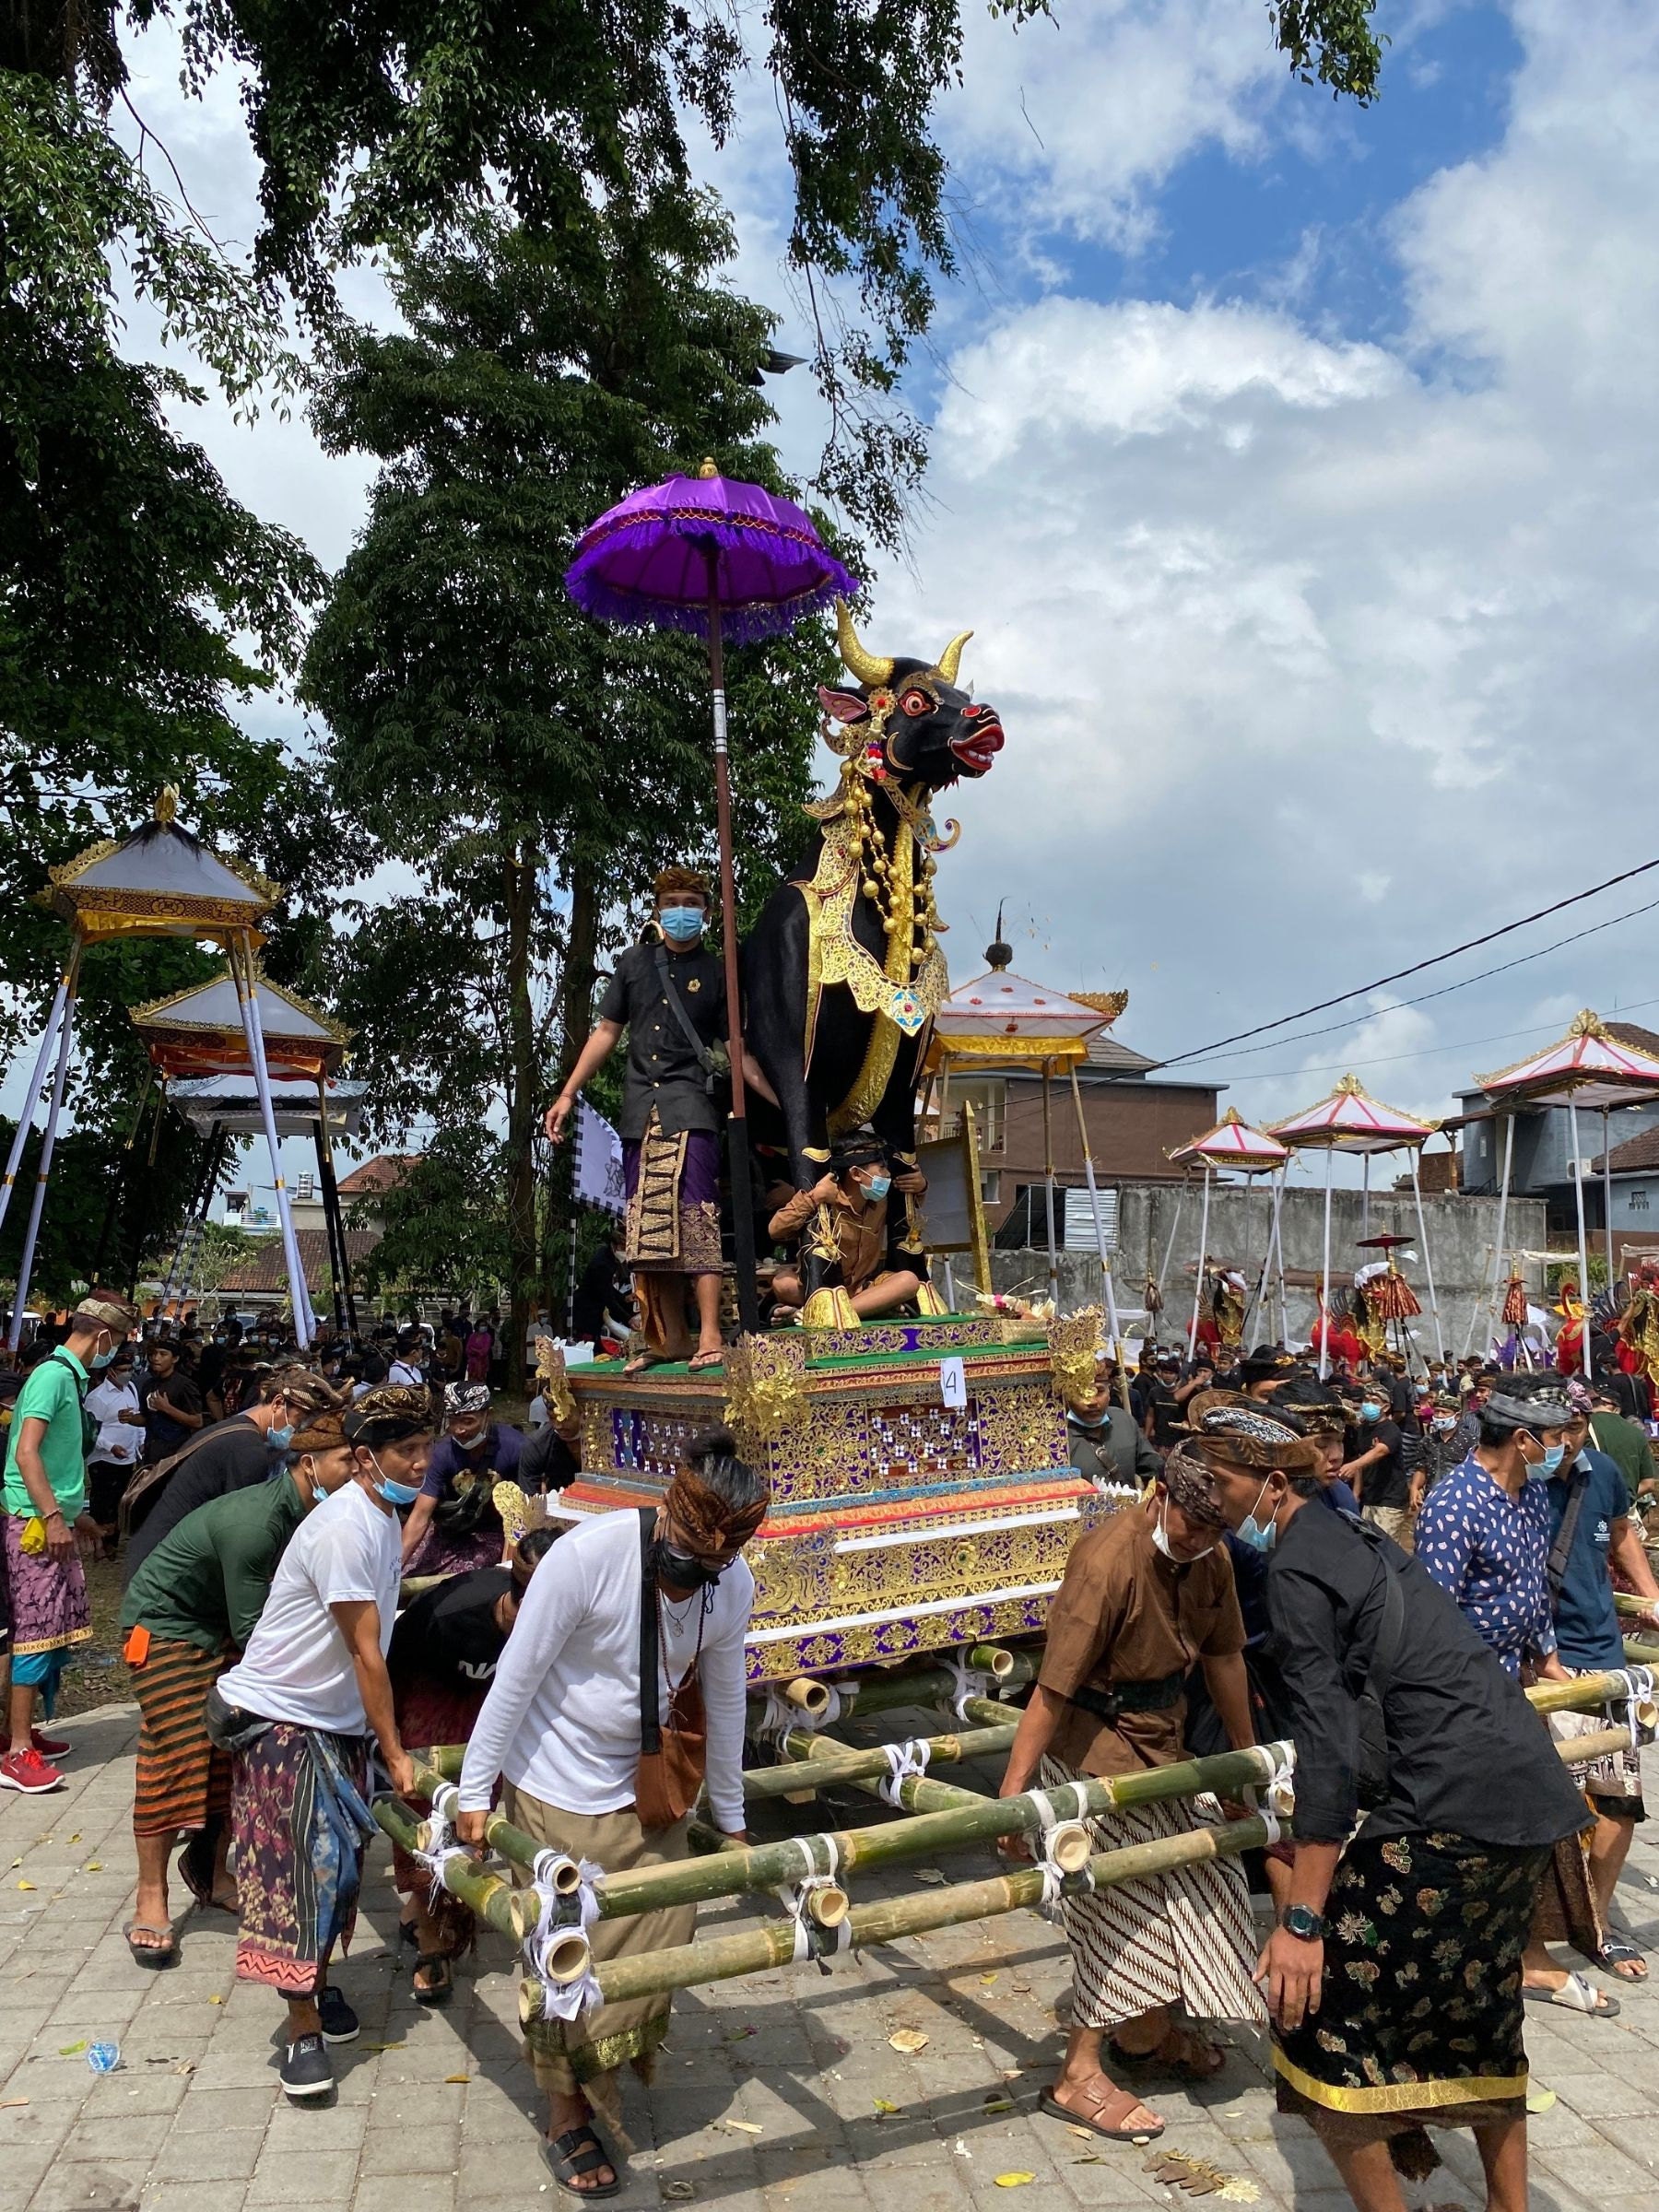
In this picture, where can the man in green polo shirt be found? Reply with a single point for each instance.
(188, 1612)
(46, 1522)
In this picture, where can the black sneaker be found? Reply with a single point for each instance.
(340, 2024)
(305, 2069)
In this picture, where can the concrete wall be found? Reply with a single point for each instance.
(1461, 1232)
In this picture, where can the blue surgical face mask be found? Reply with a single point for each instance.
(395, 1493)
(879, 1185)
(103, 1358)
(1260, 1535)
(682, 924)
(1098, 1421)
(1549, 1464)
(1371, 1411)
(280, 1439)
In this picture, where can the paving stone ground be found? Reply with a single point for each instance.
(766, 2101)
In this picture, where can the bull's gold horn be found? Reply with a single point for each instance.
(866, 666)
(950, 659)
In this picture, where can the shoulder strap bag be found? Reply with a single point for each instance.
(713, 1059)
(672, 1751)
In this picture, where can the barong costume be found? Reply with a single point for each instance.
(1125, 1626)
(1420, 2010)
(670, 1123)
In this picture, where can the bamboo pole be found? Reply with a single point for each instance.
(814, 1762)
(490, 1897)
(755, 1950)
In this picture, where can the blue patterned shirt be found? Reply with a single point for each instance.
(1487, 1551)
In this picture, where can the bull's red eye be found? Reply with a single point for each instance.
(916, 702)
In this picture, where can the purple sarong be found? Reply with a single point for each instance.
(673, 1189)
(48, 1599)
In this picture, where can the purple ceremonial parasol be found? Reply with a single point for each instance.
(718, 557)
(662, 554)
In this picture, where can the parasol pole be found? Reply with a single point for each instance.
(1583, 1256)
(738, 1151)
(1607, 1199)
(242, 968)
(32, 1096)
(1048, 1180)
(48, 1145)
(1324, 1282)
(1417, 1192)
(1495, 1309)
(1365, 1196)
(1094, 1200)
(1163, 1273)
(1277, 1249)
(1203, 1253)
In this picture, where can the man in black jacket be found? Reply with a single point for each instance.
(1394, 1976)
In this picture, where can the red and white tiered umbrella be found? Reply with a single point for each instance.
(1232, 1145)
(1350, 1120)
(1588, 1066)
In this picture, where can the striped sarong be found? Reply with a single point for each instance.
(1185, 1939)
(183, 1780)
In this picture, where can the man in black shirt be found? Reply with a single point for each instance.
(247, 1448)
(171, 1401)
(597, 1292)
(670, 998)
(441, 1662)
(1402, 2004)
(1380, 1469)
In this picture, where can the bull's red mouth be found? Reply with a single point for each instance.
(978, 747)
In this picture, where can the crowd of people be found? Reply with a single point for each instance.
(317, 1577)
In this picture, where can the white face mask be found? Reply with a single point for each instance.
(1162, 1539)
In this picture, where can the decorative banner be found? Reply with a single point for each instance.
(598, 1162)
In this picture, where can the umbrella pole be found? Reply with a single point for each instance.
(1417, 1192)
(1324, 1276)
(1583, 1256)
(1365, 1198)
(1198, 1279)
(1607, 1200)
(1163, 1273)
(1278, 1250)
(1496, 1308)
(48, 1143)
(738, 1148)
(1094, 1200)
(1048, 1185)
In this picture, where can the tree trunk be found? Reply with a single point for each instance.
(522, 1100)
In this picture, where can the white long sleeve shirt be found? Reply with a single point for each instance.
(562, 1720)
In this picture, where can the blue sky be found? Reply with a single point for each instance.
(1295, 468)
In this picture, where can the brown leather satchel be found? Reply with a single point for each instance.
(672, 1751)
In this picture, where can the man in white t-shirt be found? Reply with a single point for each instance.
(296, 1713)
(561, 1724)
(113, 1403)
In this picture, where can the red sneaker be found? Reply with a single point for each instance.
(28, 1771)
(50, 1747)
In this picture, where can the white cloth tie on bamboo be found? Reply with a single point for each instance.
(779, 1717)
(1049, 1816)
(811, 1941)
(561, 1910)
(442, 1848)
(906, 1763)
(968, 1682)
(1640, 1681)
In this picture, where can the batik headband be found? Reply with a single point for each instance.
(1236, 1429)
(1192, 1487)
(710, 1522)
(467, 1398)
(389, 1413)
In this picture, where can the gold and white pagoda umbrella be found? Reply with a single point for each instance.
(1232, 1145)
(1588, 1066)
(1350, 1120)
(1001, 1022)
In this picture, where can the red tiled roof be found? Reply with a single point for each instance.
(382, 1173)
(1636, 1155)
(265, 1273)
(1633, 1033)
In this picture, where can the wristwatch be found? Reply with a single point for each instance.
(1303, 1921)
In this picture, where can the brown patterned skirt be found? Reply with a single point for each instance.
(183, 1780)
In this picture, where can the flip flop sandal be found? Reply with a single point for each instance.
(155, 1955)
(1578, 1993)
(1122, 2101)
(439, 1992)
(576, 2152)
(1617, 1953)
(199, 1882)
(700, 1362)
(639, 1364)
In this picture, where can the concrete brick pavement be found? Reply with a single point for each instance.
(769, 2099)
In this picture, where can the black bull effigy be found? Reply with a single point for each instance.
(844, 971)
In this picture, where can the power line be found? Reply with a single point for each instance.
(1445, 990)
(1417, 968)
(1427, 1051)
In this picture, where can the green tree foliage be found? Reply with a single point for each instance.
(531, 768)
(1331, 43)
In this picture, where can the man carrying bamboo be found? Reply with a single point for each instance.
(1146, 1596)
(630, 1634)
